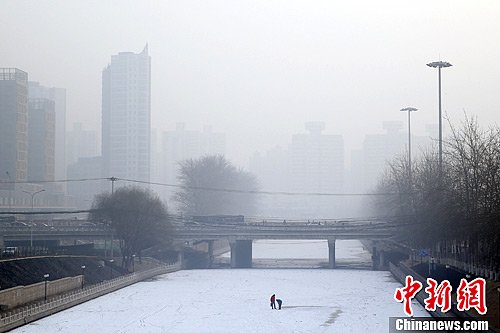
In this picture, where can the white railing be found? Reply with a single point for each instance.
(81, 295)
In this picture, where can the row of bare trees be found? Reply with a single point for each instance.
(455, 211)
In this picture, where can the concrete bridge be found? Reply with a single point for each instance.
(241, 234)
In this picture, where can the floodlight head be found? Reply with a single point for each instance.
(439, 64)
(409, 109)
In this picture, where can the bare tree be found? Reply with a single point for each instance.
(138, 216)
(213, 186)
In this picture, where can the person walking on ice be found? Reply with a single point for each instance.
(273, 301)
(279, 303)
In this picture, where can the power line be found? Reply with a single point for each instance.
(213, 189)
(52, 181)
(48, 212)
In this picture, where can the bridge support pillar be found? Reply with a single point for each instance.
(331, 253)
(241, 253)
(374, 258)
(382, 262)
(180, 258)
(210, 253)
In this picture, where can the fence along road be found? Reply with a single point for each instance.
(43, 309)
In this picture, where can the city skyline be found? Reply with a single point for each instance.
(258, 72)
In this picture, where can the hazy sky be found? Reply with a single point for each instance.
(257, 70)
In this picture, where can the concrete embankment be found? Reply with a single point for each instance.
(62, 302)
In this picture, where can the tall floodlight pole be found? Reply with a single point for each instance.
(409, 110)
(32, 211)
(439, 65)
(10, 190)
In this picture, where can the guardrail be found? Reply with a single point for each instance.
(481, 271)
(39, 310)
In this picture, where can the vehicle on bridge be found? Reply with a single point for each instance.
(10, 251)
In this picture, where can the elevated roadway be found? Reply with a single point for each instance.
(239, 232)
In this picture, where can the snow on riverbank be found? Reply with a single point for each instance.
(238, 301)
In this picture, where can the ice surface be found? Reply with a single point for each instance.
(237, 300)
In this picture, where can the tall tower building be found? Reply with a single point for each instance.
(317, 165)
(183, 144)
(81, 142)
(13, 124)
(317, 160)
(126, 116)
(58, 97)
(41, 139)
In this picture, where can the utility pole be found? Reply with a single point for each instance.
(113, 180)
(32, 211)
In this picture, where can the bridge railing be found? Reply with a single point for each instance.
(21, 316)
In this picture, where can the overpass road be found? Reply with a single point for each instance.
(188, 231)
(252, 231)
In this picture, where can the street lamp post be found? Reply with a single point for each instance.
(46, 276)
(439, 65)
(111, 268)
(498, 289)
(83, 275)
(409, 110)
(32, 210)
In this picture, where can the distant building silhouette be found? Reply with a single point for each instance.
(126, 116)
(317, 160)
(58, 97)
(183, 144)
(84, 192)
(41, 139)
(313, 163)
(27, 144)
(13, 124)
(369, 163)
(80, 143)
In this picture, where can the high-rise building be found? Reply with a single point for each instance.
(369, 163)
(317, 160)
(317, 165)
(313, 163)
(81, 142)
(41, 139)
(84, 193)
(126, 116)
(183, 144)
(379, 149)
(13, 124)
(58, 97)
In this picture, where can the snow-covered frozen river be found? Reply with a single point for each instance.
(224, 300)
